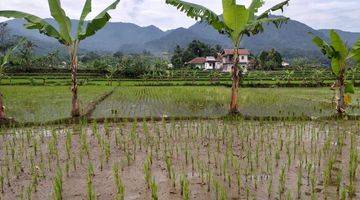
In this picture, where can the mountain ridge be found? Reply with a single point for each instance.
(292, 39)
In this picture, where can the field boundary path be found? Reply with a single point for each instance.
(92, 105)
(84, 118)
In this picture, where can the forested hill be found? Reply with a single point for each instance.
(292, 40)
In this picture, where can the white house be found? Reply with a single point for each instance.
(212, 63)
(223, 62)
(198, 62)
(227, 57)
(285, 64)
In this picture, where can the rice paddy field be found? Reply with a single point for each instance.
(45, 103)
(48, 103)
(213, 102)
(205, 157)
(199, 159)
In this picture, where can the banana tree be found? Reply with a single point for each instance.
(340, 55)
(111, 71)
(63, 34)
(3, 62)
(236, 22)
(288, 76)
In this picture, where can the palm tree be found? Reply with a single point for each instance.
(236, 22)
(339, 55)
(63, 35)
(3, 62)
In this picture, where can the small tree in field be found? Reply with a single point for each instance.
(340, 55)
(110, 72)
(63, 35)
(237, 22)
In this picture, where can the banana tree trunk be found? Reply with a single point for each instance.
(2, 109)
(235, 84)
(341, 101)
(75, 110)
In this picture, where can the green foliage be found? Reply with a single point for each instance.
(355, 52)
(195, 49)
(199, 12)
(349, 88)
(237, 19)
(63, 21)
(336, 51)
(270, 60)
(98, 22)
(34, 22)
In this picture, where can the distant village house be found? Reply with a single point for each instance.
(223, 62)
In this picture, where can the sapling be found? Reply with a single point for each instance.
(29, 190)
(101, 159)
(84, 144)
(107, 151)
(147, 172)
(74, 162)
(168, 162)
(342, 193)
(299, 180)
(353, 166)
(269, 186)
(89, 183)
(209, 179)
(173, 180)
(313, 180)
(68, 145)
(288, 195)
(238, 180)
(107, 129)
(282, 183)
(2, 183)
(58, 185)
(217, 189)
(120, 188)
(154, 188)
(338, 180)
(185, 191)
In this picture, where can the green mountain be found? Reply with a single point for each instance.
(292, 40)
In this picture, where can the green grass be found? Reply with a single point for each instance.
(45, 103)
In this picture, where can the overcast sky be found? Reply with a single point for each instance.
(337, 14)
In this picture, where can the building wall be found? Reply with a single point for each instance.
(209, 66)
(200, 66)
(242, 59)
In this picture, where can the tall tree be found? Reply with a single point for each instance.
(177, 58)
(26, 54)
(63, 34)
(5, 39)
(340, 55)
(237, 22)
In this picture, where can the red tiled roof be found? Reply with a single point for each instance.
(198, 60)
(240, 52)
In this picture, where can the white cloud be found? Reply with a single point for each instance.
(339, 14)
